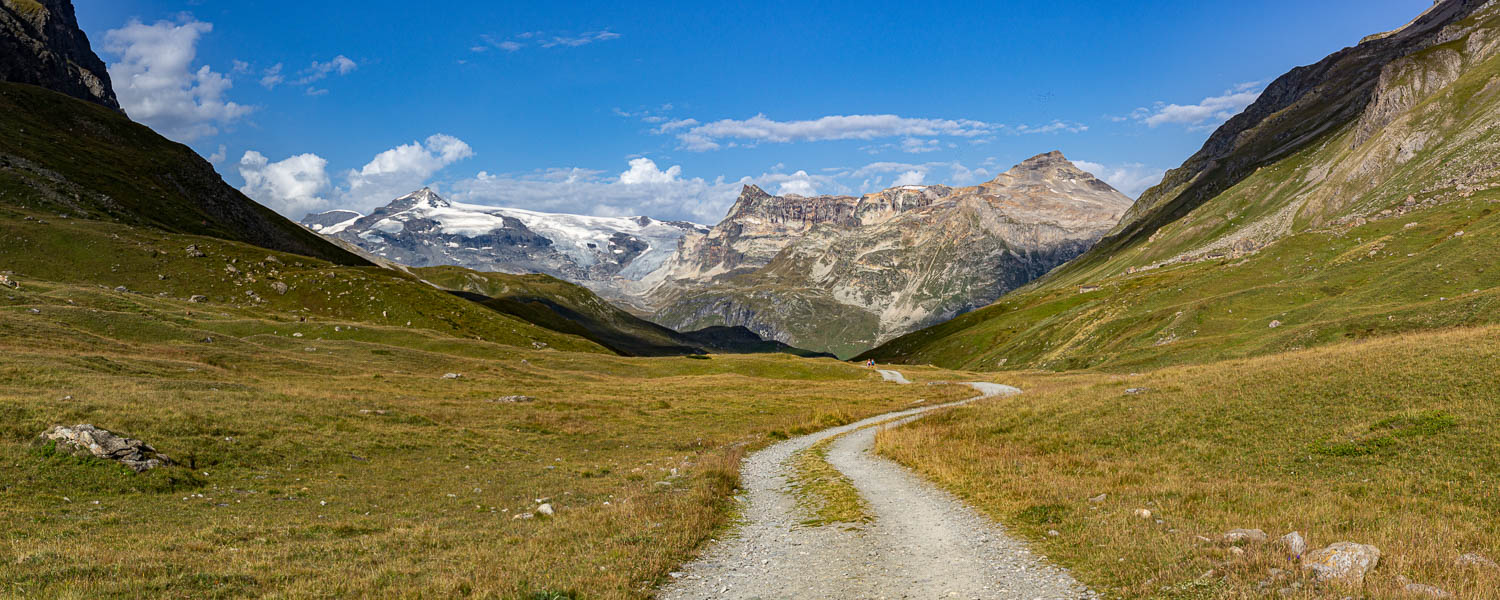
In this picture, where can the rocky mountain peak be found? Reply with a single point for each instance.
(424, 197)
(42, 45)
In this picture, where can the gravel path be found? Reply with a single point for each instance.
(895, 376)
(923, 543)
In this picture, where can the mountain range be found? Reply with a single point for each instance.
(828, 273)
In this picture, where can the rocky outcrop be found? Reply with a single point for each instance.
(842, 274)
(87, 440)
(41, 44)
(1344, 562)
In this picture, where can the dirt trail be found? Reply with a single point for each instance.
(923, 542)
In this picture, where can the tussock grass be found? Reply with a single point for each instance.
(1389, 442)
(823, 492)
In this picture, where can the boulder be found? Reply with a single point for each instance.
(1236, 536)
(87, 440)
(6, 281)
(1275, 324)
(1345, 562)
(1294, 543)
(198, 298)
(516, 399)
(453, 376)
(1142, 513)
(546, 509)
(279, 287)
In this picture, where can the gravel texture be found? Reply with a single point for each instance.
(923, 542)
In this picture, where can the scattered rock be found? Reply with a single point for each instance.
(1098, 499)
(526, 515)
(1343, 561)
(539, 345)
(1475, 561)
(122, 289)
(1142, 513)
(1053, 533)
(1294, 543)
(198, 299)
(453, 376)
(546, 509)
(1275, 324)
(1134, 391)
(1237, 552)
(34, 311)
(87, 440)
(366, 411)
(1236, 536)
(6, 281)
(194, 252)
(1426, 591)
(297, 334)
(516, 399)
(272, 259)
(279, 287)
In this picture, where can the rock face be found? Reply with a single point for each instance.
(1345, 562)
(842, 274)
(605, 254)
(41, 44)
(87, 440)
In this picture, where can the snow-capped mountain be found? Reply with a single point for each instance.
(606, 254)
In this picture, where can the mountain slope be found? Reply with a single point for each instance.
(572, 309)
(1365, 207)
(842, 274)
(41, 45)
(67, 156)
(607, 254)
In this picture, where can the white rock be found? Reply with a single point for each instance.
(546, 509)
(1426, 591)
(1294, 543)
(1236, 536)
(1475, 561)
(1142, 513)
(1275, 324)
(1098, 499)
(1344, 561)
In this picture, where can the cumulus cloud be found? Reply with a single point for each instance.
(1209, 113)
(220, 155)
(402, 169)
(911, 178)
(1130, 178)
(760, 128)
(293, 187)
(644, 170)
(301, 184)
(158, 84)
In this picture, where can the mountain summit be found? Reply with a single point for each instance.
(41, 45)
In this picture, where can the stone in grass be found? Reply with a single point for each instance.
(87, 440)
(1275, 324)
(1142, 513)
(1346, 562)
(516, 400)
(198, 298)
(1475, 561)
(546, 509)
(194, 252)
(1236, 536)
(1294, 543)
(1098, 499)
(1423, 590)
(453, 376)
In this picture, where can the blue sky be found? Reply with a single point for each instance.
(666, 109)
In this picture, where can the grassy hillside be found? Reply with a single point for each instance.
(568, 308)
(66, 156)
(330, 457)
(1389, 442)
(1382, 224)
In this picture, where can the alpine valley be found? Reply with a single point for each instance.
(1270, 376)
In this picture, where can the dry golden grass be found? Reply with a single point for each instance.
(289, 489)
(1391, 442)
(823, 492)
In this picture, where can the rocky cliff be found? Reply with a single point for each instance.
(842, 274)
(41, 45)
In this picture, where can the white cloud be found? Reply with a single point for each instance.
(916, 146)
(911, 178)
(157, 84)
(759, 128)
(1053, 127)
(1130, 178)
(319, 71)
(644, 170)
(301, 184)
(292, 187)
(220, 155)
(543, 40)
(799, 183)
(272, 77)
(402, 169)
(1206, 114)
